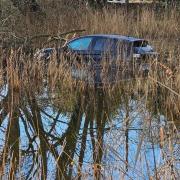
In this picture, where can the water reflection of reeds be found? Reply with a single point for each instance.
(96, 136)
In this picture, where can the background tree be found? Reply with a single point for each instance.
(27, 6)
(96, 3)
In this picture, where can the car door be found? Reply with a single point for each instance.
(79, 54)
(102, 48)
(103, 55)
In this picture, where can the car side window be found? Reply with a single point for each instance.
(124, 49)
(99, 44)
(103, 44)
(80, 44)
(140, 43)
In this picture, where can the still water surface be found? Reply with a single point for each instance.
(84, 133)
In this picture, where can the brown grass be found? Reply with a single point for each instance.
(162, 29)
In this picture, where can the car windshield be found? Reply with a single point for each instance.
(140, 43)
(80, 44)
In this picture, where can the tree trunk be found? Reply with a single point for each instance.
(127, 6)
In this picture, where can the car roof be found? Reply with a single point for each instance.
(113, 36)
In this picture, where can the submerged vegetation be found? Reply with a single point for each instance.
(54, 127)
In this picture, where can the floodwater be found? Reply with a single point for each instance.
(119, 132)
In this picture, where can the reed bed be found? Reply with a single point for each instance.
(155, 98)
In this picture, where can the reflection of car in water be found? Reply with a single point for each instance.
(102, 54)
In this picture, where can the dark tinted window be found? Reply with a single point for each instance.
(140, 43)
(80, 44)
(103, 44)
(124, 49)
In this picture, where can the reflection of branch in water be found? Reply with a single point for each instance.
(4, 108)
(55, 122)
(36, 123)
(127, 135)
(55, 119)
(89, 118)
(30, 148)
(101, 117)
(92, 137)
(71, 136)
(31, 140)
(13, 132)
(35, 119)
